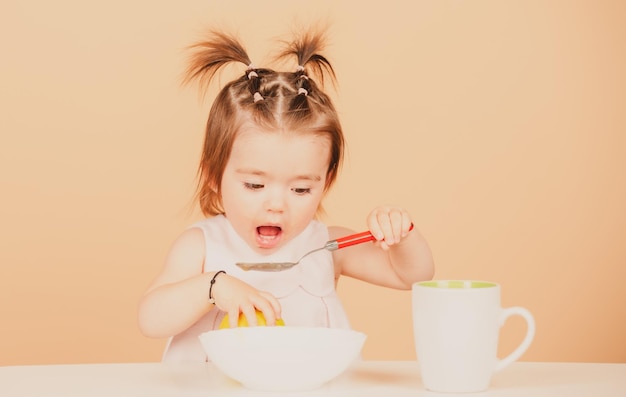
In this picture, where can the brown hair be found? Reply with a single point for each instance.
(289, 101)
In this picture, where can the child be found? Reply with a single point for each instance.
(273, 148)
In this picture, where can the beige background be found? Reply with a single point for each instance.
(500, 125)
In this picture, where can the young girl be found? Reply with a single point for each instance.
(273, 148)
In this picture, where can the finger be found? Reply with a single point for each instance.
(277, 307)
(233, 318)
(384, 221)
(374, 226)
(406, 224)
(266, 304)
(250, 313)
(384, 246)
(395, 217)
(266, 308)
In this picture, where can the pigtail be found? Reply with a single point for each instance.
(307, 49)
(211, 55)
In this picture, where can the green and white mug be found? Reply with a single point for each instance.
(456, 325)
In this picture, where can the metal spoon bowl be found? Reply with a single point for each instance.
(276, 266)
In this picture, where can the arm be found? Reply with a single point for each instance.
(398, 259)
(179, 296)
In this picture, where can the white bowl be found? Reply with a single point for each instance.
(282, 358)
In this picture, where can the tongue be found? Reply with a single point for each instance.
(268, 230)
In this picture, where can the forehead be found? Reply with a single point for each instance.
(291, 151)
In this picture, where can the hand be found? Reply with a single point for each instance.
(234, 296)
(389, 225)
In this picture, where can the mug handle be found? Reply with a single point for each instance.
(530, 334)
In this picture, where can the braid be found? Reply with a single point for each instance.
(302, 85)
(254, 83)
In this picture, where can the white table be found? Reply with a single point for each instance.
(365, 378)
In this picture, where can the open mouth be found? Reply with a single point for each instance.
(268, 236)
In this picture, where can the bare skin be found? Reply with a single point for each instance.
(271, 189)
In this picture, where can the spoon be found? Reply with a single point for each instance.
(331, 245)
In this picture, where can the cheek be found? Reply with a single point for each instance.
(231, 198)
(235, 197)
(309, 207)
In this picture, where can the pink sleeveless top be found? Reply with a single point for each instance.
(306, 292)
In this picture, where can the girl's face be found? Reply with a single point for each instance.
(273, 184)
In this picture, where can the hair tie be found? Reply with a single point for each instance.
(303, 91)
(252, 74)
(257, 97)
(300, 68)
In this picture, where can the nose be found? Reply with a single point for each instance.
(275, 200)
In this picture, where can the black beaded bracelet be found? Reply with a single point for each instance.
(211, 299)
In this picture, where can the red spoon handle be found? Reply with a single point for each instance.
(354, 239)
(357, 238)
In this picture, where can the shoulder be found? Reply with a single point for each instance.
(187, 251)
(339, 256)
(191, 245)
(212, 223)
(190, 238)
(192, 241)
(185, 259)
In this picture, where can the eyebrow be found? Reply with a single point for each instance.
(310, 177)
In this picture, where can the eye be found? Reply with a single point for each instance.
(253, 186)
(301, 191)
